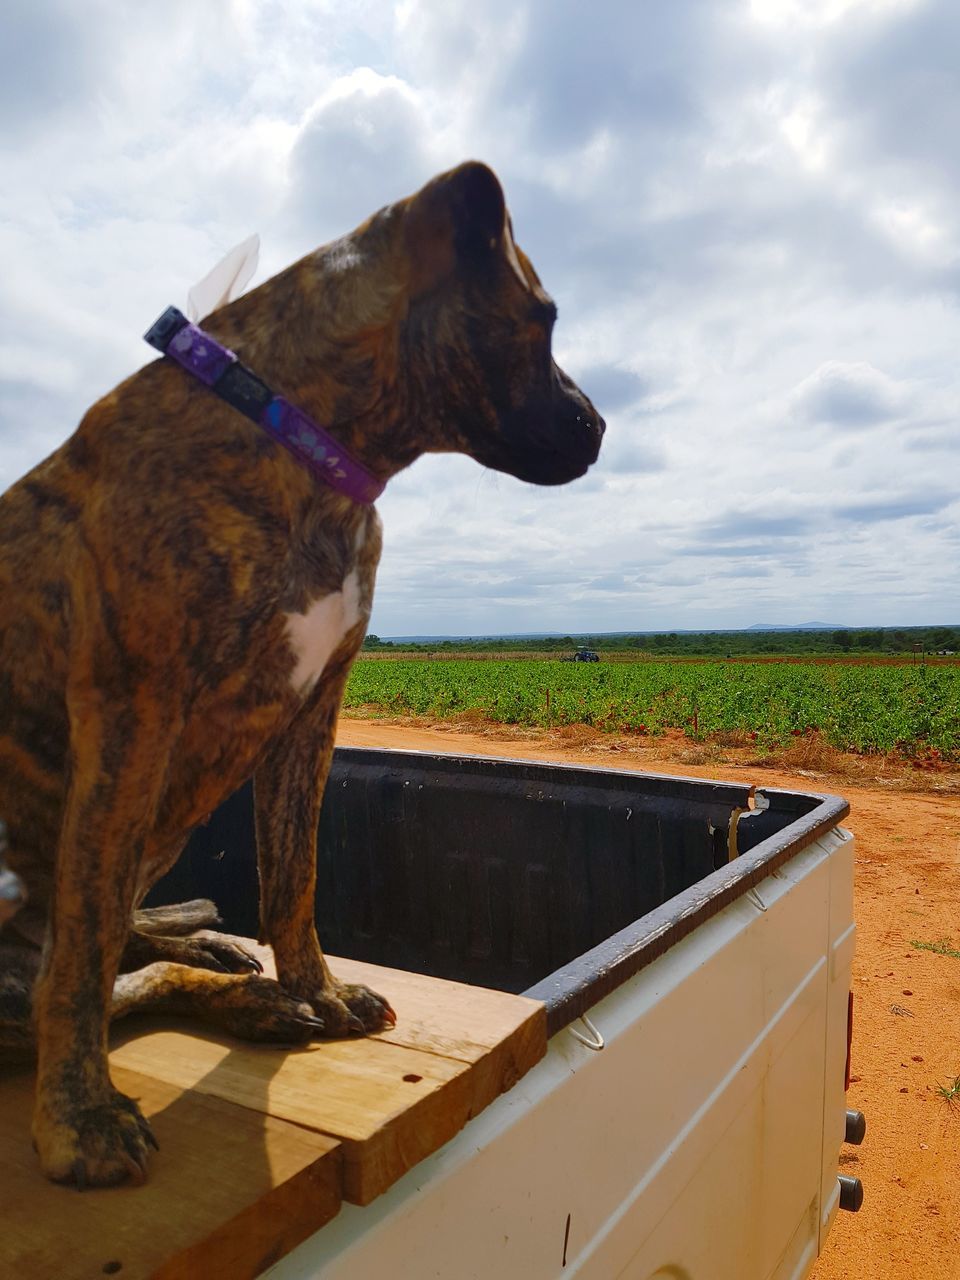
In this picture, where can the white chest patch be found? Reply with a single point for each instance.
(315, 635)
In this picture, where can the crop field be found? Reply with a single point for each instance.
(911, 709)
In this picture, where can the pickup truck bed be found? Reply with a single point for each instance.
(685, 946)
(555, 881)
(703, 933)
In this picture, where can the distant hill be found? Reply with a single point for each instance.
(796, 626)
(611, 635)
(763, 639)
(520, 635)
(526, 637)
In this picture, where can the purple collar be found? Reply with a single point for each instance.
(220, 370)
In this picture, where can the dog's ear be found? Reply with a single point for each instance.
(458, 219)
(477, 208)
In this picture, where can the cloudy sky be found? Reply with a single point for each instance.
(748, 212)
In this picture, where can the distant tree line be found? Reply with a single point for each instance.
(865, 641)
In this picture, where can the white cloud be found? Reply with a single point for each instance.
(746, 213)
(361, 144)
(820, 13)
(849, 395)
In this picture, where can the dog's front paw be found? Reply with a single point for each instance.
(352, 1010)
(255, 1008)
(97, 1145)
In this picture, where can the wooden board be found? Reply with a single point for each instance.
(257, 1144)
(391, 1099)
(229, 1193)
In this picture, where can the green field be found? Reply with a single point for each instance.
(859, 708)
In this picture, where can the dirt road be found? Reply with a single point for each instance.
(907, 1028)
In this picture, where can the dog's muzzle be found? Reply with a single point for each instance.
(553, 440)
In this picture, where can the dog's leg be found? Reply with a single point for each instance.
(222, 955)
(84, 1129)
(252, 1008)
(178, 919)
(249, 1007)
(288, 789)
(160, 933)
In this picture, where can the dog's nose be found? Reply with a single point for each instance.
(592, 424)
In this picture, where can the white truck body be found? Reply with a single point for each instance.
(700, 1142)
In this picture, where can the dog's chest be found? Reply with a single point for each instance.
(316, 634)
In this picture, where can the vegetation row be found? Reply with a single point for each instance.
(909, 709)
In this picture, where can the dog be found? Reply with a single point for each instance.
(181, 598)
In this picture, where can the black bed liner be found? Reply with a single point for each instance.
(556, 881)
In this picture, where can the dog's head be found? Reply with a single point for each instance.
(481, 321)
(424, 330)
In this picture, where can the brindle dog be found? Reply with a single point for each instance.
(180, 603)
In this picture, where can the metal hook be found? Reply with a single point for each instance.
(596, 1043)
(757, 901)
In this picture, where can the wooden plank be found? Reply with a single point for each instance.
(447, 1018)
(229, 1193)
(501, 1035)
(443, 1017)
(450, 1018)
(391, 1100)
(355, 1087)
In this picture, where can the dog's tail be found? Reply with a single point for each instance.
(177, 920)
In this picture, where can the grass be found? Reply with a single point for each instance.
(950, 1092)
(942, 948)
